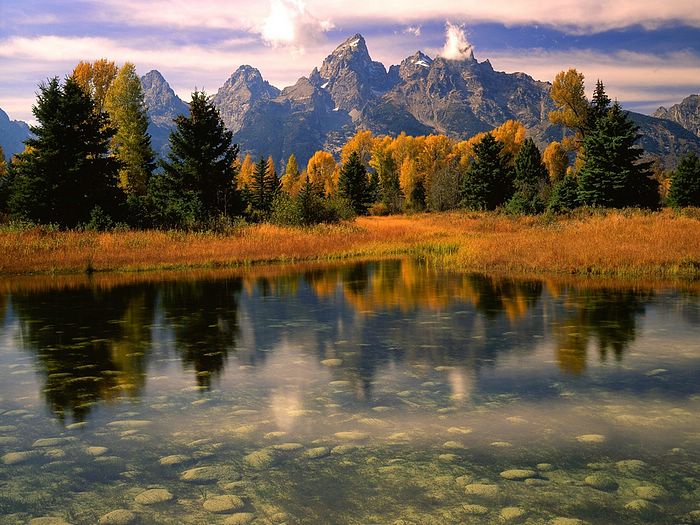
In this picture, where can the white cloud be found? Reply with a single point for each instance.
(457, 47)
(413, 30)
(290, 24)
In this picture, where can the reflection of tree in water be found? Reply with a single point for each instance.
(90, 344)
(494, 297)
(204, 318)
(607, 316)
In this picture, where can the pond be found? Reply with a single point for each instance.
(362, 393)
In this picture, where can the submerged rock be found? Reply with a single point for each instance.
(343, 449)
(317, 453)
(49, 442)
(601, 482)
(352, 435)
(475, 510)
(96, 451)
(485, 490)
(223, 504)
(591, 438)
(651, 492)
(153, 497)
(259, 459)
(200, 475)
(175, 459)
(48, 520)
(118, 517)
(332, 362)
(631, 466)
(15, 458)
(510, 514)
(545, 467)
(240, 518)
(288, 447)
(518, 474)
(567, 521)
(643, 508)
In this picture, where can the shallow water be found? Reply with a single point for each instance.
(384, 392)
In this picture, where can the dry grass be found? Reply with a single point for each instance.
(636, 244)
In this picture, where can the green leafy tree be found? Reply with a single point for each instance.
(66, 171)
(353, 184)
(612, 175)
(198, 180)
(685, 182)
(131, 144)
(488, 181)
(531, 181)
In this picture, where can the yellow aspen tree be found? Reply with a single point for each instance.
(362, 144)
(245, 175)
(323, 172)
(291, 177)
(556, 160)
(512, 134)
(95, 78)
(568, 94)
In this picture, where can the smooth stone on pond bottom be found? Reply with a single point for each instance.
(14, 458)
(545, 467)
(693, 516)
(481, 489)
(175, 459)
(343, 449)
(511, 514)
(129, 423)
(351, 435)
(633, 466)
(448, 458)
(96, 451)
(153, 497)
(332, 362)
(601, 482)
(118, 517)
(200, 475)
(48, 520)
(223, 504)
(463, 481)
(518, 474)
(643, 508)
(240, 518)
(48, 442)
(259, 459)
(288, 447)
(567, 521)
(317, 452)
(590, 438)
(651, 492)
(475, 510)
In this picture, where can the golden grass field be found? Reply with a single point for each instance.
(633, 244)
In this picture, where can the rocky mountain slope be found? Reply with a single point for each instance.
(12, 135)
(163, 106)
(686, 114)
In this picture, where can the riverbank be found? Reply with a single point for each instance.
(623, 244)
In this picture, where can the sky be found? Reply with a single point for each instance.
(646, 52)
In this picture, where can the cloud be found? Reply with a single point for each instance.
(290, 24)
(413, 30)
(457, 47)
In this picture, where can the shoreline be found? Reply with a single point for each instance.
(629, 244)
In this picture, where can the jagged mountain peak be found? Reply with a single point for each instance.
(686, 113)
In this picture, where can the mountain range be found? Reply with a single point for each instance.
(421, 95)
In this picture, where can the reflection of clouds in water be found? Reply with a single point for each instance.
(461, 385)
(286, 406)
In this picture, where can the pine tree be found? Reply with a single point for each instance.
(258, 200)
(65, 173)
(531, 180)
(488, 181)
(600, 104)
(564, 195)
(131, 144)
(198, 180)
(612, 174)
(685, 182)
(353, 184)
(273, 185)
(310, 203)
(5, 180)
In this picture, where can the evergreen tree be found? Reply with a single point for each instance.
(353, 184)
(531, 182)
(273, 185)
(600, 104)
(65, 173)
(131, 144)
(612, 174)
(488, 181)
(198, 180)
(3, 163)
(259, 200)
(389, 184)
(310, 203)
(5, 180)
(685, 182)
(564, 195)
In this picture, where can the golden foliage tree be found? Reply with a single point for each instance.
(362, 144)
(245, 175)
(95, 79)
(323, 172)
(512, 134)
(291, 179)
(568, 94)
(556, 160)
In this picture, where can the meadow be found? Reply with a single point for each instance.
(610, 243)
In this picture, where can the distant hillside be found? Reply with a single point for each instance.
(13, 133)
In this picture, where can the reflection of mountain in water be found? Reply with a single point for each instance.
(94, 344)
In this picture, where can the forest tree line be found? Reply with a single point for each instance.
(90, 164)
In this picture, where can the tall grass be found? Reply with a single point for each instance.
(664, 244)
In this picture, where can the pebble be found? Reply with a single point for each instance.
(545, 467)
(332, 362)
(15, 458)
(259, 459)
(223, 504)
(601, 482)
(632, 466)
(694, 516)
(352, 435)
(175, 459)
(153, 497)
(651, 492)
(118, 517)
(481, 489)
(448, 458)
(200, 475)
(475, 510)
(96, 451)
(518, 474)
(48, 520)
(591, 438)
(48, 442)
(643, 508)
(288, 447)
(567, 521)
(343, 449)
(501, 444)
(129, 423)
(240, 518)
(511, 514)
(317, 452)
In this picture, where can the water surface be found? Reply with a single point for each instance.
(386, 392)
